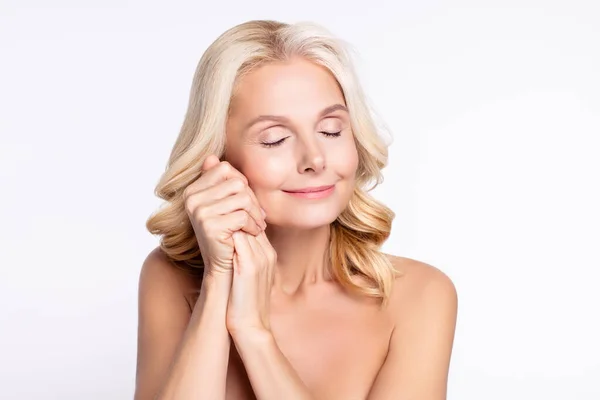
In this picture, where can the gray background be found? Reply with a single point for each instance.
(495, 112)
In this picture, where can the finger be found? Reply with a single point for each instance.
(210, 162)
(241, 245)
(256, 247)
(263, 240)
(237, 257)
(223, 171)
(257, 210)
(214, 175)
(200, 204)
(255, 199)
(268, 263)
(236, 202)
(270, 254)
(224, 190)
(267, 248)
(236, 221)
(217, 192)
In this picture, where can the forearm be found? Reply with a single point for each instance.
(199, 369)
(270, 373)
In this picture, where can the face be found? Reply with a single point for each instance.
(289, 133)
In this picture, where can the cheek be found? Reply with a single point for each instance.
(263, 173)
(343, 157)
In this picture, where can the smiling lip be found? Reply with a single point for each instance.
(310, 189)
(318, 192)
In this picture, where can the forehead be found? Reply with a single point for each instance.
(297, 88)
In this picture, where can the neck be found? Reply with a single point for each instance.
(302, 257)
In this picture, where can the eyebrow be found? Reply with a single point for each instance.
(282, 119)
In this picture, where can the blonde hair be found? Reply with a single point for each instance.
(358, 233)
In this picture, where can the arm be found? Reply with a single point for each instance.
(270, 373)
(181, 354)
(417, 364)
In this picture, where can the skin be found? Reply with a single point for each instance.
(306, 158)
(271, 323)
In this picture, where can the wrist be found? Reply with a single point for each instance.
(251, 336)
(215, 290)
(216, 281)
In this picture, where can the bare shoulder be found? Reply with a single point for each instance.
(165, 304)
(160, 275)
(421, 288)
(423, 308)
(417, 275)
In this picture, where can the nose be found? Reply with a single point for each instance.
(312, 157)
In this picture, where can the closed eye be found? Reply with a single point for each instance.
(273, 144)
(280, 141)
(331, 134)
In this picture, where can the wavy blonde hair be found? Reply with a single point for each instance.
(358, 233)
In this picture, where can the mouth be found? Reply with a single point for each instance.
(317, 192)
(315, 189)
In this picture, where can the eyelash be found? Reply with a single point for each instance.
(280, 141)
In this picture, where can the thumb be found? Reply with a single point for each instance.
(210, 162)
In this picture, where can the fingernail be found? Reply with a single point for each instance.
(264, 214)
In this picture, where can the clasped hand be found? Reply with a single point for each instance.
(253, 269)
(229, 225)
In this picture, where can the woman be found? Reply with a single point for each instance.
(269, 282)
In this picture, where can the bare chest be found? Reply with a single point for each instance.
(336, 349)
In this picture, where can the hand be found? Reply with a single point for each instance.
(219, 203)
(249, 299)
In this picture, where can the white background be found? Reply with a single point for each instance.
(494, 107)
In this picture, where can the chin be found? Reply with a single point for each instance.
(294, 213)
(304, 219)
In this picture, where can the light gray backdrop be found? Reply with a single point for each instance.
(495, 111)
